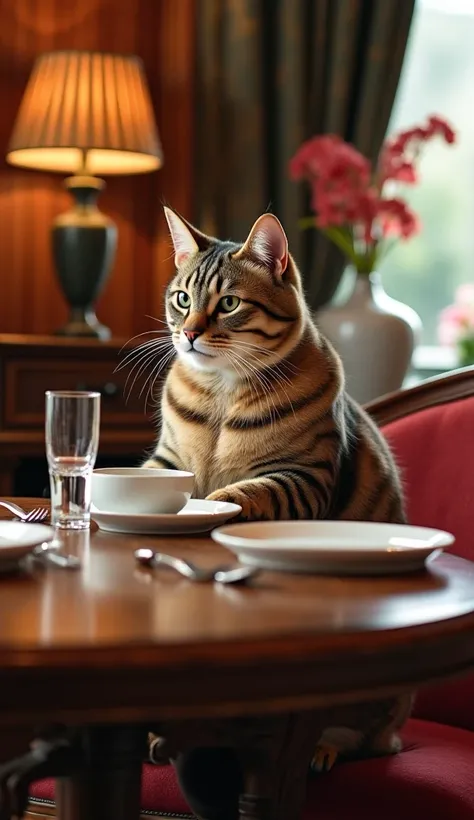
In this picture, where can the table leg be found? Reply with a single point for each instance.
(275, 773)
(107, 785)
(258, 773)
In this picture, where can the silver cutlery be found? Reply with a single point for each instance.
(222, 575)
(48, 552)
(35, 516)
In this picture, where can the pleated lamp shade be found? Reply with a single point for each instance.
(86, 112)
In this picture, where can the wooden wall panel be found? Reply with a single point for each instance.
(161, 32)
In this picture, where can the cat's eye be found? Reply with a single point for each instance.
(228, 303)
(183, 300)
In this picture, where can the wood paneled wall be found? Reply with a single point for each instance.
(161, 32)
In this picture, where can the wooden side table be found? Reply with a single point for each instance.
(30, 365)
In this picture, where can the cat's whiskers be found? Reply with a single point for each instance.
(138, 350)
(146, 352)
(140, 366)
(138, 373)
(248, 380)
(259, 347)
(146, 357)
(154, 375)
(145, 333)
(263, 351)
(249, 351)
(279, 363)
(265, 386)
(279, 378)
(273, 369)
(154, 319)
(165, 353)
(168, 322)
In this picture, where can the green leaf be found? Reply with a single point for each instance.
(337, 236)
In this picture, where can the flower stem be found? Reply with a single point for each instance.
(307, 222)
(336, 235)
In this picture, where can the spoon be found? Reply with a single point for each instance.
(47, 552)
(235, 575)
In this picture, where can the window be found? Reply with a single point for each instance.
(437, 78)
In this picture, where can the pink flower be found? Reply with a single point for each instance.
(440, 126)
(397, 219)
(448, 333)
(365, 211)
(464, 294)
(404, 172)
(394, 166)
(346, 192)
(312, 156)
(404, 139)
(328, 203)
(398, 152)
(329, 156)
(455, 322)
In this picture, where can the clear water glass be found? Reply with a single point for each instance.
(72, 440)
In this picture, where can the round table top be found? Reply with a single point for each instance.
(149, 641)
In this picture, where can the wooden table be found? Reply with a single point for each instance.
(113, 650)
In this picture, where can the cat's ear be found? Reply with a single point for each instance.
(267, 244)
(187, 240)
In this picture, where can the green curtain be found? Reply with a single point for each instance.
(270, 74)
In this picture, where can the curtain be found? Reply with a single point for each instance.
(270, 74)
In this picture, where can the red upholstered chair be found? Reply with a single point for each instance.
(431, 430)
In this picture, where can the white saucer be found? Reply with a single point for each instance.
(18, 539)
(333, 547)
(196, 516)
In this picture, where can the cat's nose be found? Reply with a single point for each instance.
(192, 335)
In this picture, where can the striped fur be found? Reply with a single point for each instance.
(255, 404)
(260, 414)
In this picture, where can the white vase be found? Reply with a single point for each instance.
(375, 336)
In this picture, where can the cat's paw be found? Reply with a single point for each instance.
(232, 495)
(324, 758)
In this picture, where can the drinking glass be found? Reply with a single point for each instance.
(72, 441)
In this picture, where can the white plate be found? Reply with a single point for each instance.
(18, 539)
(196, 516)
(333, 547)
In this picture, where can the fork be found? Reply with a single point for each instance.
(35, 516)
(46, 551)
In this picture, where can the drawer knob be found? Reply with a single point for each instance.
(109, 389)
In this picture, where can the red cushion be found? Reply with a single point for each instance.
(431, 778)
(451, 702)
(160, 791)
(435, 450)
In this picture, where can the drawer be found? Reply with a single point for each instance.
(27, 379)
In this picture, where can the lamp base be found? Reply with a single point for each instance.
(84, 243)
(84, 323)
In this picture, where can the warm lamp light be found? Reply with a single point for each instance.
(86, 114)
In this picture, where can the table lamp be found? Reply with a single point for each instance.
(87, 114)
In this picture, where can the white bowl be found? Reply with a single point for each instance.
(141, 490)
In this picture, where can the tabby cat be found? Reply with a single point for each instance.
(254, 404)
